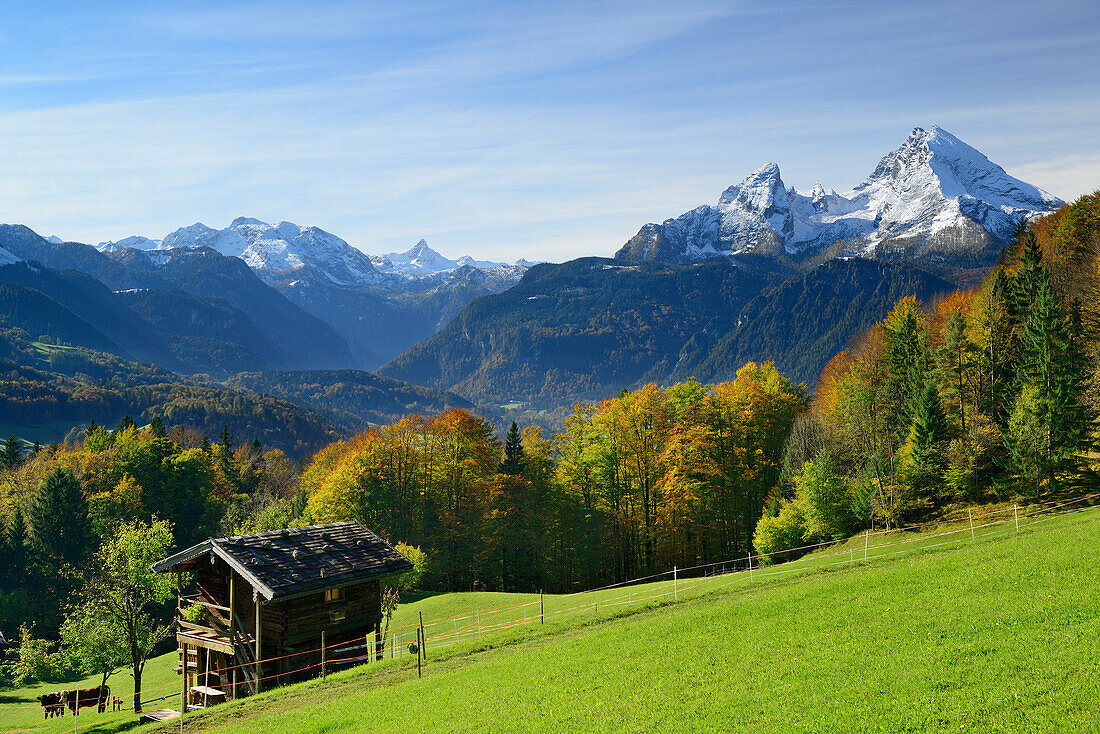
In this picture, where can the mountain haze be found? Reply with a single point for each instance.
(380, 305)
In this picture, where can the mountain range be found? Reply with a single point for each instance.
(934, 200)
(296, 313)
(380, 305)
(768, 273)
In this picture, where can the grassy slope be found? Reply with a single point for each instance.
(993, 635)
(19, 708)
(986, 636)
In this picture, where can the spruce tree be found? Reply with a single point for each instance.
(929, 431)
(954, 363)
(908, 360)
(126, 422)
(513, 452)
(1053, 366)
(1029, 277)
(226, 464)
(157, 427)
(12, 455)
(59, 518)
(15, 547)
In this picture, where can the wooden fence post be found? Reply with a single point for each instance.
(324, 657)
(419, 651)
(1016, 515)
(259, 668)
(675, 582)
(183, 688)
(971, 516)
(423, 637)
(750, 565)
(866, 541)
(542, 609)
(233, 635)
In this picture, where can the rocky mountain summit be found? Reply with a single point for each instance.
(934, 199)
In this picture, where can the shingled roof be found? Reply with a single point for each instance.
(284, 563)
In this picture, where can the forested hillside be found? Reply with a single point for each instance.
(50, 389)
(350, 398)
(578, 331)
(802, 323)
(193, 311)
(49, 392)
(986, 393)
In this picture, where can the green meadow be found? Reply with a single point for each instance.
(934, 631)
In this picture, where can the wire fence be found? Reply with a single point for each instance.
(678, 584)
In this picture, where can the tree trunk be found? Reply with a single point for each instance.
(137, 686)
(136, 662)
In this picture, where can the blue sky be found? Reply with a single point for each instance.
(540, 130)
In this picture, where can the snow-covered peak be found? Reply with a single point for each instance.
(423, 260)
(933, 196)
(758, 191)
(278, 251)
(134, 242)
(55, 240)
(934, 181)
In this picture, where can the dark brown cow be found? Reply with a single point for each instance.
(51, 704)
(56, 703)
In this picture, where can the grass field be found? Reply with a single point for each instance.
(18, 708)
(934, 632)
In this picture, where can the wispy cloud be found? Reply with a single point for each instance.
(552, 129)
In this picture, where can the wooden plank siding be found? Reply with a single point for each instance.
(277, 581)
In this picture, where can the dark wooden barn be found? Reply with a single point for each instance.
(267, 599)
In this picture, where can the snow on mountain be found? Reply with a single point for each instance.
(55, 240)
(6, 258)
(935, 196)
(423, 260)
(278, 251)
(135, 242)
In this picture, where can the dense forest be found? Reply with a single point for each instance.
(989, 393)
(981, 395)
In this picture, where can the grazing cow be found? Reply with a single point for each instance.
(85, 697)
(51, 705)
(54, 704)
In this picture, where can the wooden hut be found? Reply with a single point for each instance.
(266, 600)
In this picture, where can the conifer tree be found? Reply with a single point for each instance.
(15, 549)
(157, 427)
(225, 456)
(59, 518)
(926, 464)
(907, 362)
(513, 452)
(1027, 280)
(1053, 370)
(126, 422)
(12, 455)
(954, 363)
